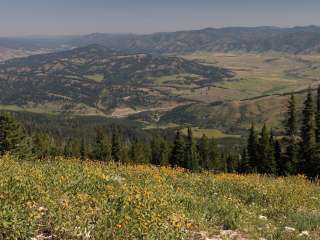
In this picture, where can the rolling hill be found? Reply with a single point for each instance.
(97, 80)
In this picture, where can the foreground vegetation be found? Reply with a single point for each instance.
(73, 199)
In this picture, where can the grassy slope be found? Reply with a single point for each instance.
(236, 116)
(71, 200)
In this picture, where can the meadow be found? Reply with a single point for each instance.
(259, 73)
(73, 199)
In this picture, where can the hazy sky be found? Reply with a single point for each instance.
(42, 17)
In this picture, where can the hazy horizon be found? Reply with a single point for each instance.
(137, 33)
(52, 18)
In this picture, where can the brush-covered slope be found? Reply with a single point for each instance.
(94, 79)
(235, 116)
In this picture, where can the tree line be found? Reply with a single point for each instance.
(114, 144)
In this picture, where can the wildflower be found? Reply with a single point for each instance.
(118, 179)
(42, 209)
(289, 229)
(304, 234)
(261, 217)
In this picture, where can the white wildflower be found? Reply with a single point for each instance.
(42, 209)
(289, 229)
(261, 217)
(304, 234)
(118, 179)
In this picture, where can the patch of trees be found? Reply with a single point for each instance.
(298, 152)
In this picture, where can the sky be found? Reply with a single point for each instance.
(73, 17)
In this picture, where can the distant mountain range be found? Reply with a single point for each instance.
(254, 39)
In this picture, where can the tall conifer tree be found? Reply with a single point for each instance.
(291, 124)
(191, 154)
(178, 151)
(266, 162)
(289, 162)
(214, 160)
(204, 152)
(116, 151)
(252, 148)
(13, 138)
(318, 116)
(82, 149)
(308, 134)
(101, 147)
(164, 153)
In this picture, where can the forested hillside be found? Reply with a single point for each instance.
(94, 80)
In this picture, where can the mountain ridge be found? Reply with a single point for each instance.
(299, 39)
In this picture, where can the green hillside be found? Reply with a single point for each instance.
(94, 80)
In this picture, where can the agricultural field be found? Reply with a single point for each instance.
(70, 199)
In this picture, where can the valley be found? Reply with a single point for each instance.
(205, 85)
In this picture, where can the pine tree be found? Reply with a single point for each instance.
(278, 157)
(204, 152)
(272, 142)
(13, 138)
(164, 153)
(83, 149)
(308, 134)
(124, 153)
(318, 116)
(291, 160)
(101, 147)
(156, 150)
(252, 148)
(266, 162)
(140, 153)
(67, 151)
(288, 163)
(116, 151)
(191, 154)
(230, 164)
(214, 161)
(41, 146)
(308, 129)
(177, 155)
(223, 163)
(244, 165)
(313, 170)
(291, 124)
